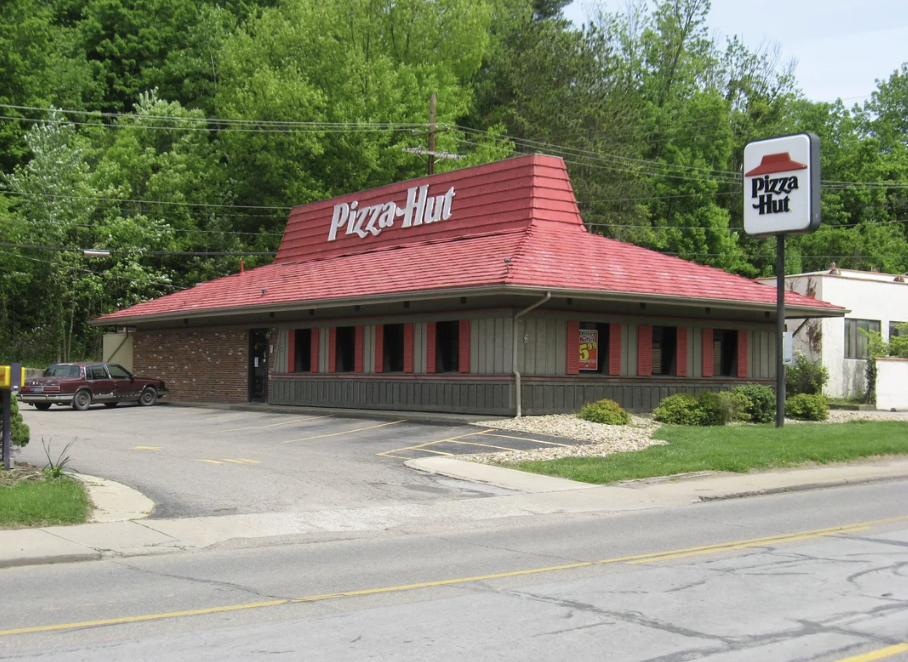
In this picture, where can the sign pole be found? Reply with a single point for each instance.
(780, 330)
(6, 395)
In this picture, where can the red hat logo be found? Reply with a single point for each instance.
(773, 163)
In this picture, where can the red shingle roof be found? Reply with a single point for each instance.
(538, 229)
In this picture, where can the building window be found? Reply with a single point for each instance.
(897, 329)
(665, 345)
(857, 346)
(725, 352)
(447, 346)
(345, 349)
(302, 343)
(394, 348)
(594, 348)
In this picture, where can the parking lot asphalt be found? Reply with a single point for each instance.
(196, 461)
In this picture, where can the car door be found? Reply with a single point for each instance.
(124, 384)
(100, 383)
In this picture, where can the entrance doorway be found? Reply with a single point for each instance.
(258, 365)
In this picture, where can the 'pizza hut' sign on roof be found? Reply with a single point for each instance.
(782, 185)
(420, 208)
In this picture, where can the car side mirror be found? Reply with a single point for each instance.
(132, 378)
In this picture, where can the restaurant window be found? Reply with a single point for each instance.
(302, 343)
(447, 346)
(394, 348)
(725, 352)
(857, 345)
(593, 348)
(345, 349)
(665, 345)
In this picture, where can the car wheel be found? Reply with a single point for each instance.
(42, 406)
(111, 405)
(82, 401)
(149, 397)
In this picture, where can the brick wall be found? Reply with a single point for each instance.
(197, 365)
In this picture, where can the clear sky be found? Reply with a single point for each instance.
(842, 46)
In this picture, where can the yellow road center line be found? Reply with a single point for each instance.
(337, 434)
(211, 461)
(147, 448)
(878, 654)
(241, 460)
(638, 558)
(536, 441)
(272, 425)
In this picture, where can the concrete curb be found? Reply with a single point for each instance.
(805, 487)
(113, 501)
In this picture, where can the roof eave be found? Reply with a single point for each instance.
(489, 290)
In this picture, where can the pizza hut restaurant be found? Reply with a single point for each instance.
(476, 291)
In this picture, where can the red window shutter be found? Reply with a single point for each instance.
(463, 339)
(644, 350)
(291, 350)
(313, 351)
(614, 349)
(681, 367)
(707, 352)
(358, 350)
(332, 349)
(573, 347)
(408, 347)
(379, 348)
(430, 347)
(742, 354)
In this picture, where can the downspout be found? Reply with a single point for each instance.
(517, 316)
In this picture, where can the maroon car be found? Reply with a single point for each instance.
(84, 384)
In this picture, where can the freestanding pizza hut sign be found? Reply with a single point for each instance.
(781, 196)
(782, 185)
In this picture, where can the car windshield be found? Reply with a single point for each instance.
(62, 371)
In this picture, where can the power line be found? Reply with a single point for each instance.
(66, 249)
(147, 202)
(220, 120)
(89, 271)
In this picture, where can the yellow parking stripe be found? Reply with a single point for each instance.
(272, 425)
(428, 443)
(537, 441)
(337, 434)
(638, 558)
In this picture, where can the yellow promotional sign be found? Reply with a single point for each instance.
(6, 376)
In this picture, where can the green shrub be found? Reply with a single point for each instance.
(19, 432)
(761, 406)
(806, 376)
(607, 412)
(680, 409)
(736, 406)
(714, 409)
(806, 407)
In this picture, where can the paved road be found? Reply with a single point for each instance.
(763, 579)
(197, 462)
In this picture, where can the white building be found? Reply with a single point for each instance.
(875, 301)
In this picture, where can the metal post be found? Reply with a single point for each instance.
(6, 396)
(780, 330)
(432, 134)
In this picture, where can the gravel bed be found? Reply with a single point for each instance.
(601, 440)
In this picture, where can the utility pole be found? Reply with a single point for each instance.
(432, 134)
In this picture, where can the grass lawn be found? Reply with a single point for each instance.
(42, 503)
(737, 448)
